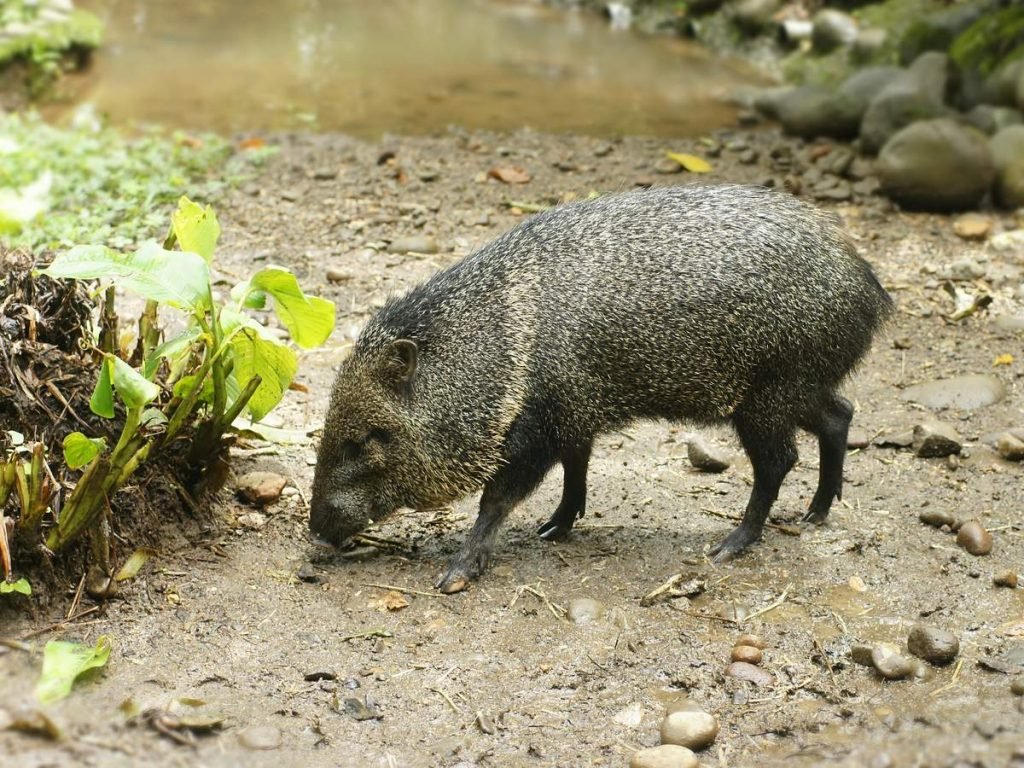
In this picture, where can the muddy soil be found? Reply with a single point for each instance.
(293, 644)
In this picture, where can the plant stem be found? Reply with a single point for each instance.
(243, 400)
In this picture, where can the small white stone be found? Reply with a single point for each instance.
(665, 756)
(693, 730)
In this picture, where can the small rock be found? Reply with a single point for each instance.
(338, 275)
(1017, 686)
(1010, 447)
(362, 709)
(584, 610)
(936, 518)
(428, 175)
(630, 716)
(603, 150)
(895, 439)
(1005, 579)
(972, 226)
(667, 165)
(290, 195)
(832, 29)
(315, 677)
(857, 439)
(911, 96)
(414, 244)
(747, 653)
(748, 156)
(252, 520)
(890, 662)
(260, 737)
(973, 537)
(693, 730)
(860, 653)
(706, 458)
(307, 574)
(936, 440)
(664, 756)
(752, 640)
(936, 646)
(260, 488)
(965, 392)
(749, 673)
(325, 174)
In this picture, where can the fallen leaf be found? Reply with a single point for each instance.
(1006, 359)
(857, 584)
(134, 564)
(394, 601)
(510, 174)
(63, 662)
(253, 143)
(692, 163)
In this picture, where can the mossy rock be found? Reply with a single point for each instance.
(81, 30)
(993, 39)
(937, 31)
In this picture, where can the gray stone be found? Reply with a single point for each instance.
(918, 94)
(832, 29)
(965, 392)
(936, 165)
(752, 16)
(1007, 147)
(414, 244)
(868, 43)
(936, 440)
(991, 119)
(260, 737)
(811, 111)
(1001, 86)
(936, 646)
(1010, 447)
(807, 111)
(890, 662)
(707, 458)
(742, 670)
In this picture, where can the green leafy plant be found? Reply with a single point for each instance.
(65, 662)
(221, 363)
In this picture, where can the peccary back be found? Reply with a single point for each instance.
(696, 304)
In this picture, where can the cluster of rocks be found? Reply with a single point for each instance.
(930, 156)
(925, 644)
(685, 730)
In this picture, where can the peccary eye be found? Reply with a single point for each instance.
(379, 435)
(350, 450)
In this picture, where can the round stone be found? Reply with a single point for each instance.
(964, 392)
(890, 663)
(752, 640)
(260, 737)
(584, 610)
(750, 673)
(1017, 686)
(1005, 578)
(693, 730)
(973, 537)
(747, 653)
(665, 756)
(936, 646)
(936, 518)
(706, 458)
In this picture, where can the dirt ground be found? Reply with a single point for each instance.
(292, 644)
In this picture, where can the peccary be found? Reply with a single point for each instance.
(696, 304)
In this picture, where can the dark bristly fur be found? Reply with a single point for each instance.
(693, 304)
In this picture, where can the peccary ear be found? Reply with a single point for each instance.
(403, 364)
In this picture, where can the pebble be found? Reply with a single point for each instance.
(749, 673)
(1017, 686)
(325, 174)
(665, 756)
(584, 610)
(706, 458)
(890, 662)
(1010, 447)
(693, 730)
(260, 487)
(747, 653)
(860, 653)
(857, 439)
(966, 392)
(1005, 579)
(752, 640)
(667, 165)
(973, 537)
(936, 440)
(603, 150)
(630, 716)
(260, 737)
(972, 226)
(936, 518)
(936, 646)
(414, 244)
(307, 573)
(338, 275)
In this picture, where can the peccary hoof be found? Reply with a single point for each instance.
(554, 531)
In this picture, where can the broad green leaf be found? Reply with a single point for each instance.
(172, 349)
(196, 228)
(79, 450)
(178, 278)
(63, 662)
(102, 401)
(692, 163)
(21, 586)
(152, 417)
(274, 363)
(134, 564)
(134, 389)
(183, 387)
(309, 319)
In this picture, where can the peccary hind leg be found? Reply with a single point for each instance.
(574, 494)
(831, 425)
(772, 452)
(513, 483)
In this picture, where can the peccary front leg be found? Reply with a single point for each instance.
(831, 425)
(772, 453)
(513, 483)
(574, 495)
